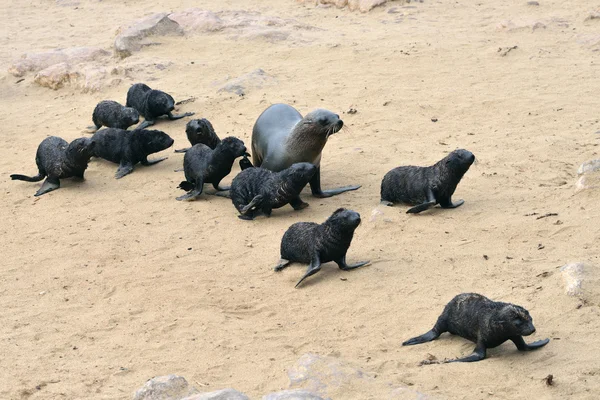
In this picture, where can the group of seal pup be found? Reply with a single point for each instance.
(286, 154)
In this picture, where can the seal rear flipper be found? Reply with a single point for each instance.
(124, 169)
(424, 338)
(522, 346)
(19, 177)
(282, 264)
(297, 204)
(313, 268)
(477, 355)
(148, 163)
(172, 116)
(190, 195)
(144, 125)
(421, 207)
(91, 129)
(182, 150)
(221, 188)
(345, 267)
(48, 186)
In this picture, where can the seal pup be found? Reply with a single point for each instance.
(56, 159)
(202, 164)
(151, 104)
(483, 321)
(113, 115)
(316, 244)
(282, 137)
(257, 190)
(200, 131)
(425, 187)
(128, 148)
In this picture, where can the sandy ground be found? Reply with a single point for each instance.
(107, 283)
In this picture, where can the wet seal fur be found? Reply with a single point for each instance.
(56, 159)
(425, 187)
(316, 244)
(128, 148)
(151, 104)
(483, 321)
(257, 190)
(200, 131)
(113, 115)
(282, 137)
(202, 164)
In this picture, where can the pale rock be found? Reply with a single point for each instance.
(516, 25)
(169, 387)
(590, 176)
(134, 37)
(582, 280)
(224, 394)
(34, 62)
(589, 166)
(292, 395)
(252, 80)
(353, 5)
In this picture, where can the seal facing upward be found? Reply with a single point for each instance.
(483, 321)
(424, 187)
(282, 137)
(315, 244)
(200, 131)
(56, 159)
(151, 104)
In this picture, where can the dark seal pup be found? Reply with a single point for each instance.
(200, 131)
(257, 190)
(151, 104)
(203, 165)
(427, 186)
(315, 244)
(56, 159)
(281, 137)
(113, 115)
(128, 148)
(483, 321)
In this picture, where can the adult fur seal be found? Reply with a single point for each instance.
(151, 104)
(281, 137)
(257, 190)
(315, 244)
(425, 187)
(202, 164)
(113, 115)
(483, 321)
(200, 131)
(56, 159)
(128, 148)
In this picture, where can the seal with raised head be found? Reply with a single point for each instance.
(256, 190)
(316, 244)
(282, 137)
(424, 187)
(128, 148)
(113, 115)
(151, 104)
(202, 164)
(56, 159)
(200, 131)
(483, 321)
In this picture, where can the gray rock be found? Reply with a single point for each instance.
(225, 394)
(292, 395)
(589, 178)
(252, 80)
(133, 38)
(589, 166)
(169, 387)
(582, 280)
(34, 62)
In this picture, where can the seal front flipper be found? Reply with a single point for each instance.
(179, 116)
(48, 186)
(148, 163)
(345, 267)
(298, 204)
(225, 193)
(424, 338)
(522, 346)
(182, 150)
(313, 268)
(124, 169)
(421, 207)
(477, 355)
(193, 190)
(252, 205)
(221, 188)
(447, 203)
(315, 187)
(282, 264)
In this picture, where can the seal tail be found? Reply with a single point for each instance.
(36, 178)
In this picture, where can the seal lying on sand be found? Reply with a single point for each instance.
(203, 165)
(315, 244)
(427, 186)
(113, 115)
(151, 104)
(281, 137)
(200, 131)
(259, 190)
(483, 321)
(56, 159)
(128, 148)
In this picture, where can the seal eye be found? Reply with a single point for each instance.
(323, 121)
